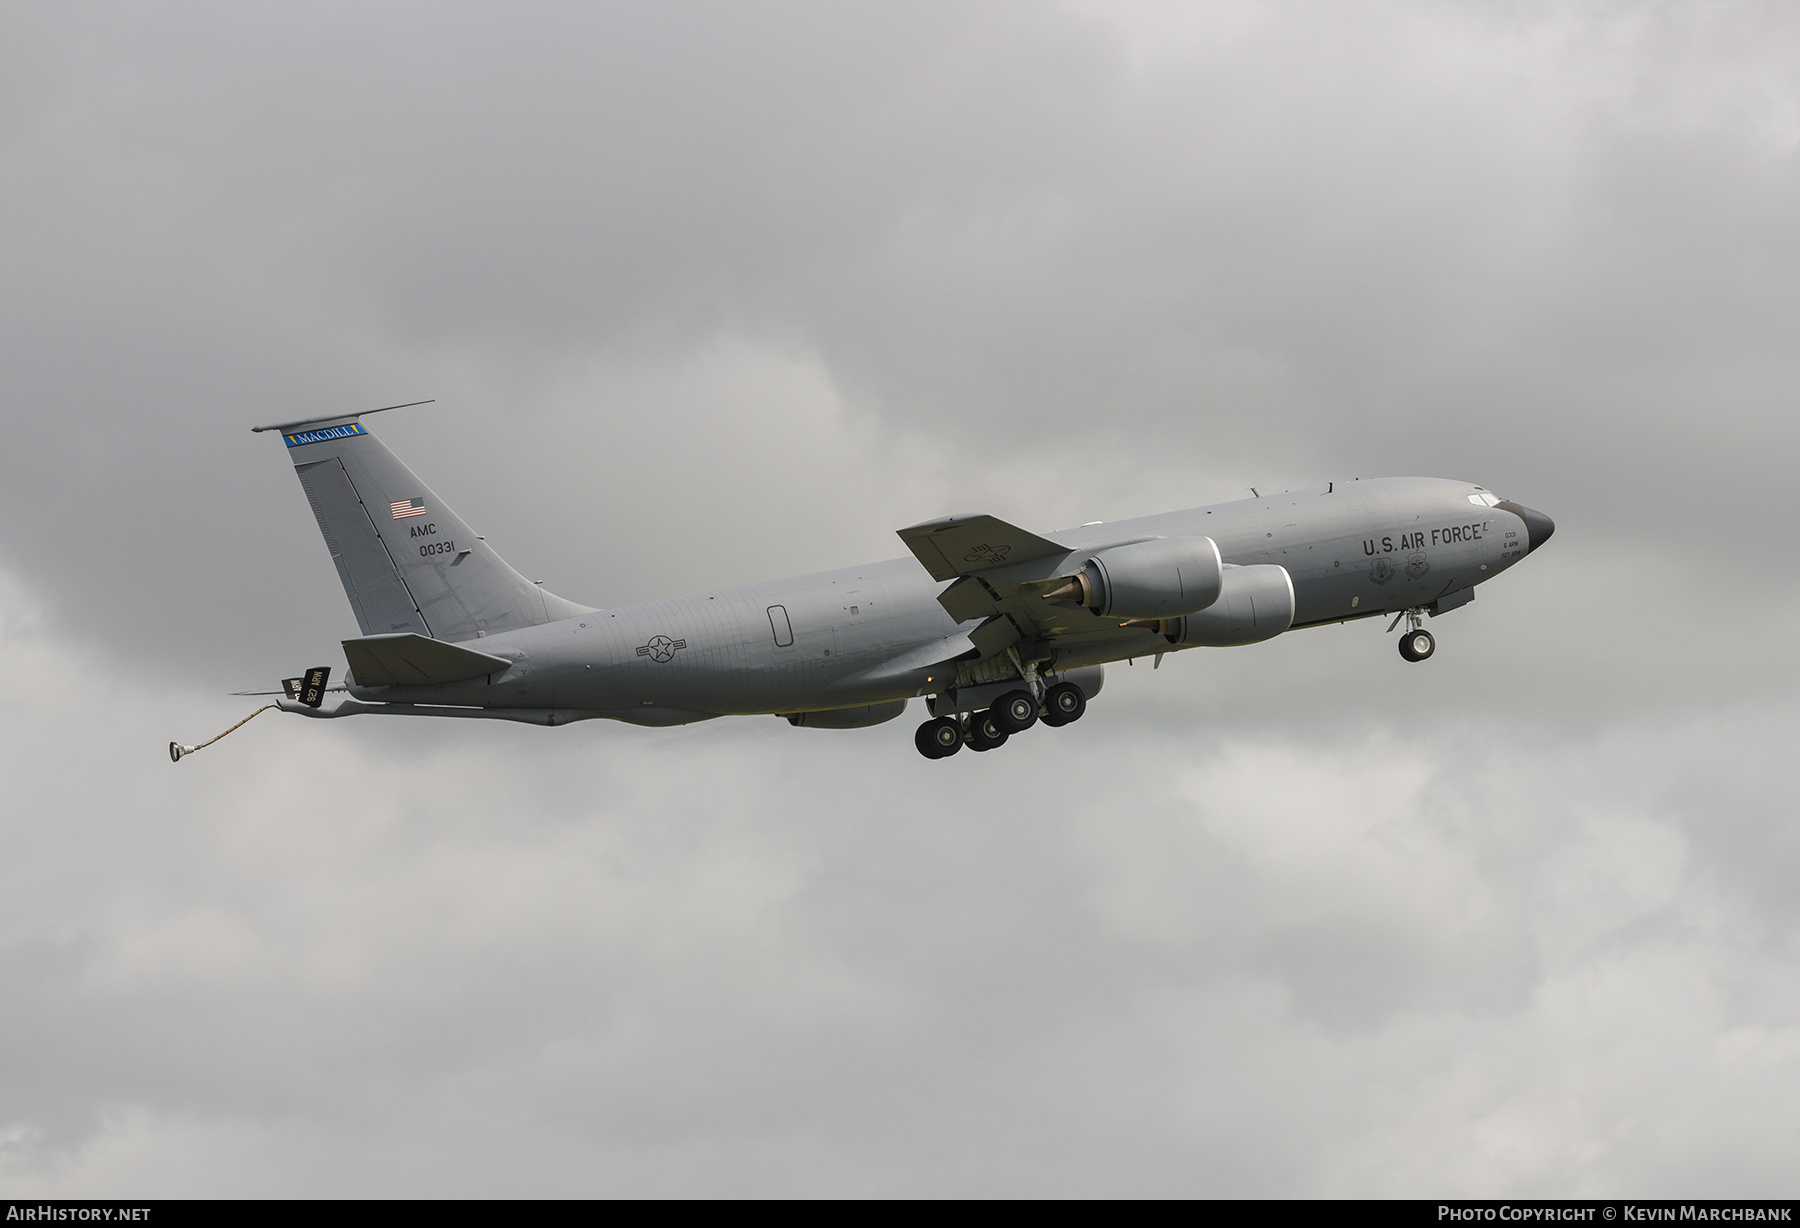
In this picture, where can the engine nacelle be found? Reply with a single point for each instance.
(1090, 678)
(860, 717)
(1255, 603)
(1161, 578)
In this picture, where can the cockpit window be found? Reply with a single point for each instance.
(1484, 499)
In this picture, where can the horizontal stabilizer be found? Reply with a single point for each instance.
(953, 546)
(412, 660)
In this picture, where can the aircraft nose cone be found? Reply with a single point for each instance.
(1538, 527)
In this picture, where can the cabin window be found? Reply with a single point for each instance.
(778, 623)
(1484, 499)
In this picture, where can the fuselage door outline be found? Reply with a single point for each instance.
(779, 624)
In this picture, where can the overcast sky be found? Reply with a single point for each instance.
(712, 293)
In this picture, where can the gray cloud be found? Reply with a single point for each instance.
(1222, 961)
(713, 293)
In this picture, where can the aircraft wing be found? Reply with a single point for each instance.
(976, 552)
(953, 546)
(413, 660)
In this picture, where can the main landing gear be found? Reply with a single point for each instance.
(940, 738)
(1014, 712)
(1417, 644)
(985, 732)
(1063, 705)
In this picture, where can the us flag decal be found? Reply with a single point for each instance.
(407, 507)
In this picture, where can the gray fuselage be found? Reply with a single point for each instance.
(829, 640)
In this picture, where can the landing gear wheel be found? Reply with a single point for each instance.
(1015, 711)
(985, 733)
(1063, 705)
(1417, 645)
(939, 739)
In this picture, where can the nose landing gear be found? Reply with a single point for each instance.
(1417, 644)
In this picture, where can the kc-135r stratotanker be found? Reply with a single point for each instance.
(997, 627)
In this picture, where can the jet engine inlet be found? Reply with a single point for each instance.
(1257, 603)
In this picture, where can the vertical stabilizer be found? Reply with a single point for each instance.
(408, 563)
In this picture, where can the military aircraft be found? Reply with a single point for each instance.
(997, 627)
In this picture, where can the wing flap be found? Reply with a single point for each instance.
(968, 599)
(405, 659)
(995, 636)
